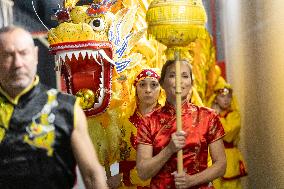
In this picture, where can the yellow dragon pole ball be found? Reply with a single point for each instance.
(176, 23)
(87, 98)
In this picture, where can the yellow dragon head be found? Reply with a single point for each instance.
(91, 44)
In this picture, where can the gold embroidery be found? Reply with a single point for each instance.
(41, 136)
(41, 133)
(168, 126)
(124, 148)
(162, 120)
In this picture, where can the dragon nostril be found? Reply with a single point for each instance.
(97, 23)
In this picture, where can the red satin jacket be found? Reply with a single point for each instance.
(202, 126)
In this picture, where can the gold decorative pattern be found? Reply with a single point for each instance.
(41, 132)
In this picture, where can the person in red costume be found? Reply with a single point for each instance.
(148, 91)
(158, 140)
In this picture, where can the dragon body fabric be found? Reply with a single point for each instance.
(99, 48)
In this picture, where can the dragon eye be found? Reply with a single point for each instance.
(97, 24)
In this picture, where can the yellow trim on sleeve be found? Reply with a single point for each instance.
(6, 111)
(77, 103)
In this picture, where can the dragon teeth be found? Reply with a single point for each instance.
(105, 56)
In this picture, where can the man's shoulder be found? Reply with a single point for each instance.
(65, 96)
(61, 96)
(201, 108)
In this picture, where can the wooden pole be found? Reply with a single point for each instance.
(108, 171)
(107, 167)
(178, 109)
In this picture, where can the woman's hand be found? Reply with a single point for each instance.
(177, 141)
(114, 181)
(182, 180)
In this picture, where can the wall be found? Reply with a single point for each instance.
(254, 46)
(6, 12)
(25, 17)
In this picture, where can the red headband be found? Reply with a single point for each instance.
(224, 91)
(146, 73)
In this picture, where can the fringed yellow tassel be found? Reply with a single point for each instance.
(105, 134)
(173, 35)
(98, 135)
(184, 53)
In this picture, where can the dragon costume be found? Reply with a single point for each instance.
(92, 47)
(99, 48)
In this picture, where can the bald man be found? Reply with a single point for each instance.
(43, 132)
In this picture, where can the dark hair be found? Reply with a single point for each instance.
(167, 64)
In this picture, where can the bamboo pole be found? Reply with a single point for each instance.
(107, 167)
(178, 108)
(108, 171)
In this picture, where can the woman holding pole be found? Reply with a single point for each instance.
(158, 139)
